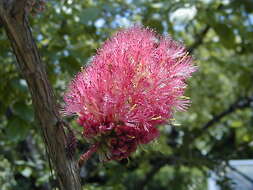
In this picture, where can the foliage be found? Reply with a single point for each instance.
(218, 126)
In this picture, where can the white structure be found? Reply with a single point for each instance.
(241, 174)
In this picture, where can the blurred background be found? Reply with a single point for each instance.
(217, 128)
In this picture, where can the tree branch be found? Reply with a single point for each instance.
(241, 103)
(162, 161)
(246, 177)
(199, 39)
(201, 35)
(159, 163)
(15, 22)
(155, 169)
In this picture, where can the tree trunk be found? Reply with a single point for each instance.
(13, 18)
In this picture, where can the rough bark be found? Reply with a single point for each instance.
(14, 20)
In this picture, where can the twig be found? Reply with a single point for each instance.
(246, 177)
(237, 105)
(199, 39)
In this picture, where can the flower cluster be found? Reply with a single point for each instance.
(134, 83)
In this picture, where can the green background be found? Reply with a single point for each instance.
(218, 126)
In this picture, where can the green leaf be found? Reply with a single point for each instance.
(226, 35)
(89, 14)
(70, 64)
(19, 85)
(24, 111)
(26, 172)
(156, 24)
(17, 129)
(237, 124)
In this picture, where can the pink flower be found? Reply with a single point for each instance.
(134, 83)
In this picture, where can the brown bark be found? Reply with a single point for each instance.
(14, 20)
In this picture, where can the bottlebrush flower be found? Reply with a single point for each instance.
(134, 83)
